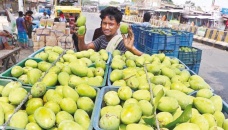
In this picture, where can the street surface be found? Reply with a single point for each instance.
(213, 68)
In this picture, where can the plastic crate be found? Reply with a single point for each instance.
(4, 82)
(100, 104)
(10, 128)
(186, 38)
(150, 51)
(190, 57)
(194, 67)
(7, 74)
(36, 52)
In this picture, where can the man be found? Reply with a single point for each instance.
(22, 31)
(110, 18)
(45, 16)
(4, 41)
(28, 23)
(146, 20)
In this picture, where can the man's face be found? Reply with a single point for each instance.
(109, 26)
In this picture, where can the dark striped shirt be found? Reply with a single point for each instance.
(101, 43)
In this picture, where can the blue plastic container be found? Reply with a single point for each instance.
(194, 67)
(190, 57)
(150, 51)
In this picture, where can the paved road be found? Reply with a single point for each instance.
(214, 64)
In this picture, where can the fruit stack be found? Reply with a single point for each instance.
(191, 57)
(72, 68)
(152, 92)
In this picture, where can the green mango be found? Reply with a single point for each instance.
(201, 122)
(217, 101)
(124, 28)
(9, 87)
(17, 71)
(45, 117)
(69, 92)
(187, 126)
(81, 21)
(138, 127)
(225, 124)
(204, 105)
(133, 82)
(85, 104)
(216, 128)
(44, 66)
(164, 118)
(78, 69)
(69, 125)
(219, 117)
(31, 63)
(111, 122)
(43, 56)
(210, 119)
(131, 113)
(146, 107)
(63, 78)
(85, 90)
(38, 89)
(81, 30)
(111, 110)
(2, 117)
(167, 104)
(33, 104)
(111, 98)
(124, 93)
(52, 95)
(55, 69)
(129, 101)
(68, 105)
(116, 75)
(82, 118)
(7, 107)
(34, 75)
(53, 106)
(24, 79)
(17, 95)
(50, 79)
(31, 118)
(168, 72)
(62, 116)
(4, 99)
(32, 126)
(74, 81)
(142, 95)
(57, 49)
(19, 120)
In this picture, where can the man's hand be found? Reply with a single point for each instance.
(76, 32)
(129, 41)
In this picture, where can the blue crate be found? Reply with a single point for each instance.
(186, 38)
(190, 57)
(150, 51)
(194, 67)
(101, 104)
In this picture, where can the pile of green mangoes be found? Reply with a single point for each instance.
(125, 109)
(60, 108)
(187, 49)
(163, 72)
(73, 68)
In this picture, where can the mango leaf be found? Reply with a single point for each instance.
(151, 120)
(157, 98)
(184, 117)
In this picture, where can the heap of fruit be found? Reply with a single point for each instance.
(164, 73)
(60, 108)
(187, 49)
(73, 68)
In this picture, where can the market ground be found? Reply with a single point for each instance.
(213, 68)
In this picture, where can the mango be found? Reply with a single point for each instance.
(216, 128)
(17, 95)
(225, 124)
(198, 84)
(4, 99)
(43, 56)
(142, 95)
(138, 127)
(62, 116)
(111, 110)
(1, 115)
(57, 49)
(7, 107)
(109, 121)
(111, 98)
(19, 120)
(164, 118)
(79, 70)
(24, 79)
(201, 122)
(44, 117)
(55, 69)
(81, 30)
(33, 104)
(129, 101)
(210, 119)
(69, 92)
(8, 114)
(31, 63)
(124, 93)
(69, 125)
(219, 117)
(53, 56)
(187, 126)
(34, 75)
(206, 93)
(68, 105)
(82, 118)
(146, 107)
(53, 106)
(81, 21)
(52, 95)
(85, 104)
(32, 126)
(31, 118)
(74, 81)
(124, 28)
(217, 101)
(44, 66)
(204, 105)
(168, 104)
(130, 113)
(38, 89)
(59, 90)
(85, 90)
(50, 79)
(17, 71)
(116, 75)
(9, 87)
(168, 72)
(133, 83)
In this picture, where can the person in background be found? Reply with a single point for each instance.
(72, 30)
(45, 16)
(22, 30)
(97, 33)
(4, 35)
(110, 18)
(146, 20)
(61, 17)
(28, 22)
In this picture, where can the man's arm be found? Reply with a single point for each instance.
(82, 45)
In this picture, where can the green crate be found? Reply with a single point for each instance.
(36, 52)
(4, 82)
(7, 74)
